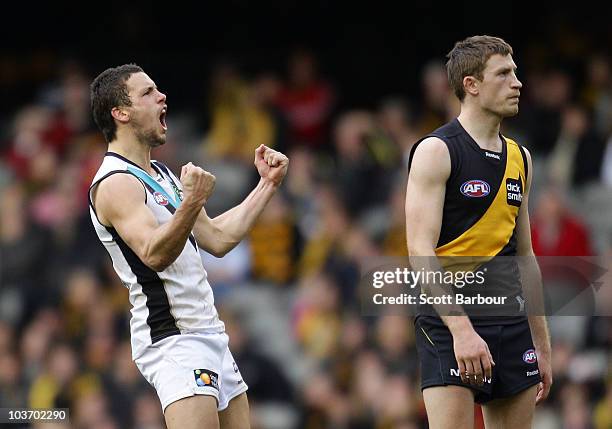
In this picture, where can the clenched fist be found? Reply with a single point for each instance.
(198, 184)
(271, 165)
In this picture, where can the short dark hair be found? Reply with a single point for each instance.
(109, 90)
(469, 58)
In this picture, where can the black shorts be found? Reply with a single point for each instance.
(516, 366)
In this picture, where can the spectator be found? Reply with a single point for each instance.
(394, 237)
(13, 389)
(362, 181)
(548, 94)
(555, 230)
(315, 316)
(439, 104)
(123, 384)
(53, 387)
(23, 246)
(395, 340)
(267, 381)
(306, 101)
(395, 119)
(602, 415)
(597, 92)
(275, 244)
(242, 116)
(606, 163)
(576, 157)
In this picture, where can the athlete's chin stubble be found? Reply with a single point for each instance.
(155, 142)
(151, 138)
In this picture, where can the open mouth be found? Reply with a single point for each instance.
(162, 118)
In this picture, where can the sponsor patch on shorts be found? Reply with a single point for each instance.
(206, 377)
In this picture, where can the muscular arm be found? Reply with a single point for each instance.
(222, 233)
(532, 287)
(119, 201)
(429, 172)
(430, 169)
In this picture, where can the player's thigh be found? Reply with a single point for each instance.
(449, 406)
(236, 415)
(194, 412)
(512, 412)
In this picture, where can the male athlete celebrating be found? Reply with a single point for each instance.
(152, 225)
(467, 196)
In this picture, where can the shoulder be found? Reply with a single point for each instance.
(119, 187)
(431, 158)
(520, 147)
(120, 192)
(527, 153)
(431, 152)
(431, 146)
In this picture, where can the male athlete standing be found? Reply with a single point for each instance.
(467, 196)
(152, 225)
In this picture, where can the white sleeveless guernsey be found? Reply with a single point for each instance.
(177, 300)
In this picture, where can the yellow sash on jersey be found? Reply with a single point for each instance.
(492, 232)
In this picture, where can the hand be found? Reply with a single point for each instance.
(545, 368)
(198, 184)
(271, 165)
(473, 357)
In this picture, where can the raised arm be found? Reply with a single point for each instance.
(222, 233)
(430, 169)
(119, 201)
(532, 285)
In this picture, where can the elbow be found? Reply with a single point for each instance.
(158, 258)
(219, 252)
(419, 244)
(158, 264)
(417, 249)
(223, 245)
(413, 250)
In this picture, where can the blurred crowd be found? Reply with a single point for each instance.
(288, 294)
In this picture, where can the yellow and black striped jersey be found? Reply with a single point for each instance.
(483, 196)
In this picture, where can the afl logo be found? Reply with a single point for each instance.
(475, 188)
(160, 199)
(530, 356)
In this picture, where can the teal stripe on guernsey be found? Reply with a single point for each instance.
(175, 201)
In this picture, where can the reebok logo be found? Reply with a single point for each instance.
(492, 155)
(535, 372)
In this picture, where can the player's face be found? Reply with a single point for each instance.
(500, 88)
(148, 110)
